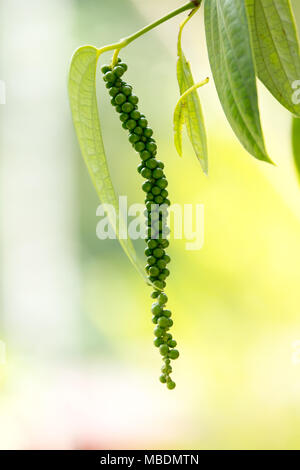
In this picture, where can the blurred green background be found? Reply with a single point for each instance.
(81, 371)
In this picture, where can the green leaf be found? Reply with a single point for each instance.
(190, 110)
(83, 100)
(231, 60)
(276, 48)
(180, 110)
(296, 142)
(178, 125)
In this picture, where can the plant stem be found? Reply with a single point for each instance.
(183, 25)
(187, 6)
(125, 41)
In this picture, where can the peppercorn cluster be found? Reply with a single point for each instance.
(156, 212)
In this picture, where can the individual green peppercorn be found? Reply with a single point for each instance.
(120, 99)
(172, 343)
(126, 90)
(162, 299)
(151, 163)
(173, 353)
(124, 117)
(133, 139)
(109, 77)
(146, 173)
(163, 349)
(151, 260)
(164, 243)
(159, 199)
(105, 69)
(143, 123)
(156, 309)
(167, 258)
(161, 264)
(119, 71)
(158, 332)
(135, 115)
(167, 313)
(125, 67)
(164, 193)
(145, 155)
(113, 91)
(138, 130)
(155, 190)
(154, 271)
(131, 124)
(148, 132)
(151, 146)
(133, 99)
(158, 252)
(158, 173)
(157, 342)
(158, 284)
(146, 186)
(119, 108)
(163, 322)
(127, 107)
(162, 183)
(171, 385)
(163, 379)
(152, 244)
(139, 146)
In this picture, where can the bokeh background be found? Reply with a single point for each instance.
(81, 371)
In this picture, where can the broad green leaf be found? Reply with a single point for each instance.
(190, 112)
(231, 60)
(296, 142)
(276, 48)
(83, 100)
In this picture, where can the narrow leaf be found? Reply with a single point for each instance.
(83, 100)
(276, 48)
(231, 60)
(178, 125)
(190, 113)
(296, 143)
(180, 109)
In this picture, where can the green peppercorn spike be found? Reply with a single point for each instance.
(156, 212)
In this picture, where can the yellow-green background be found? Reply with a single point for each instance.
(81, 371)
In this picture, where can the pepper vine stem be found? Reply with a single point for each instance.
(127, 40)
